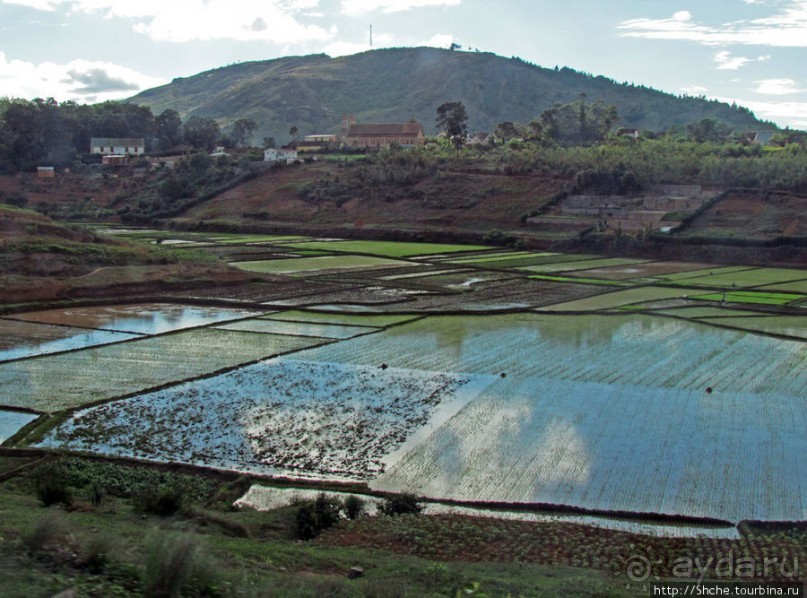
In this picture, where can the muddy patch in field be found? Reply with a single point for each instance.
(294, 418)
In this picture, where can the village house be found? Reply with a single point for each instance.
(632, 133)
(118, 146)
(283, 154)
(381, 135)
(313, 143)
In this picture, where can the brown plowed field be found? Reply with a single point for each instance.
(753, 215)
(453, 201)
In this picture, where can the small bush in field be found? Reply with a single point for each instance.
(354, 507)
(401, 504)
(313, 517)
(51, 485)
(163, 500)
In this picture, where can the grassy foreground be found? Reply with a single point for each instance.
(123, 530)
(127, 533)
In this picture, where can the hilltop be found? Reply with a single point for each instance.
(395, 85)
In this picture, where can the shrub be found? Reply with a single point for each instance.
(500, 238)
(170, 564)
(164, 500)
(354, 507)
(96, 555)
(16, 199)
(401, 504)
(313, 517)
(49, 533)
(51, 483)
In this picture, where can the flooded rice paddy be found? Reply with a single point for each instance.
(642, 399)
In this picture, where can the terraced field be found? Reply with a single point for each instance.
(460, 372)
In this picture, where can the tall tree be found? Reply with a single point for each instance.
(202, 132)
(578, 123)
(453, 120)
(708, 129)
(25, 134)
(168, 127)
(243, 129)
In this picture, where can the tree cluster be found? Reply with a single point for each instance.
(39, 132)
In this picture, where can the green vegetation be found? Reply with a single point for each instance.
(101, 373)
(315, 516)
(315, 264)
(404, 503)
(732, 278)
(579, 280)
(375, 86)
(341, 318)
(394, 249)
(208, 549)
(205, 548)
(759, 297)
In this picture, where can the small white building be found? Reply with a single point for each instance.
(282, 154)
(118, 146)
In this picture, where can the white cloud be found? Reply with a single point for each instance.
(43, 5)
(787, 27)
(79, 80)
(778, 87)
(339, 48)
(725, 61)
(356, 7)
(344, 48)
(440, 40)
(694, 90)
(791, 114)
(186, 20)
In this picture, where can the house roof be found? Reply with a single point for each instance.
(110, 141)
(388, 130)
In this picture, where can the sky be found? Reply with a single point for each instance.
(752, 52)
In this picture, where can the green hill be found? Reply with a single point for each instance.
(395, 85)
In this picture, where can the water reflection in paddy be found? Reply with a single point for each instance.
(153, 318)
(51, 331)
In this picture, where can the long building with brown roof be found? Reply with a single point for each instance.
(381, 136)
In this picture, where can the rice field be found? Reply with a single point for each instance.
(300, 266)
(577, 279)
(581, 265)
(793, 326)
(70, 380)
(502, 409)
(12, 421)
(757, 297)
(148, 318)
(333, 331)
(741, 277)
(732, 456)
(392, 249)
(631, 350)
(647, 270)
(356, 376)
(787, 287)
(617, 299)
(345, 319)
(27, 339)
(292, 418)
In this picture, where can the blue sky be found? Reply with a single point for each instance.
(749, 51)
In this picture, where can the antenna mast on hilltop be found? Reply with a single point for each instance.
(371, 36)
